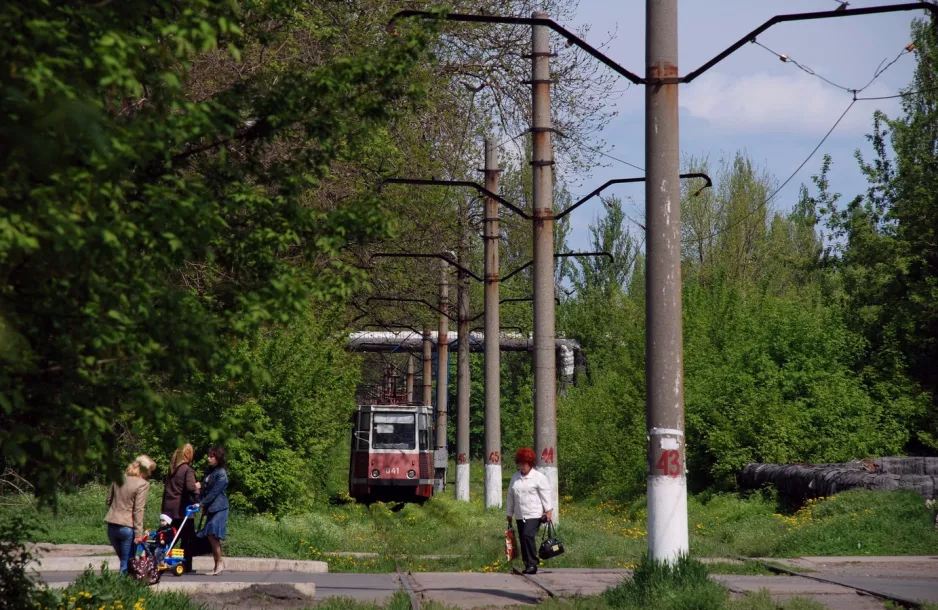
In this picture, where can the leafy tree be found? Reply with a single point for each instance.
(147, 230)
(609, 234)
(884, 243)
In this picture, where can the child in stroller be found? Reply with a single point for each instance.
(157, 551)
(158, 542)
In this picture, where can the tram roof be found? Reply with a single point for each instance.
(401, 408)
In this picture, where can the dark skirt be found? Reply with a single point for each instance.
(186, 539)
(216, 524)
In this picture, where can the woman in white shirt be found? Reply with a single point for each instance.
(529, 504)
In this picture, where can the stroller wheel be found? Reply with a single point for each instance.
(179, 569)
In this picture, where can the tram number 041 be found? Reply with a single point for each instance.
(392, 471)
(669, 463)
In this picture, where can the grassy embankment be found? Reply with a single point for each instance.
(448, 535)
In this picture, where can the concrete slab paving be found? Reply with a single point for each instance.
(361, 587)
(830, 560)
(210, 588)
(778, 585)
(910, 568)
(920, 590)
(474, 590)
(573, 581)
(783, 588)
(202, 564)
(42, 549)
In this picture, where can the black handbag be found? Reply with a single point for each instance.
(551, 546)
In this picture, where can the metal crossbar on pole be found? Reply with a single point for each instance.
(492, 451)
(545, 381)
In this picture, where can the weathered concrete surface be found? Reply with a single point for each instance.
(201, 564)
(903, 567)
(42, 549)
(361, 587)
(783, 588)
(905, 577)
(576, 581)
(471, 590)
(305, 590)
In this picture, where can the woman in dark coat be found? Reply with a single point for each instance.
(182, 490)
(214, 504)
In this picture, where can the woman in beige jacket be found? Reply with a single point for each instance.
(127, 503)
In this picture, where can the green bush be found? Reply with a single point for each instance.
(685, 585)
(113, 591)
(17, 590)
(280, 429)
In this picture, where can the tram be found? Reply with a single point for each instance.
(391, 456)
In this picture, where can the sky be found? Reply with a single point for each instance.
(752, 101)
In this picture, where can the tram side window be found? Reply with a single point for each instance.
(423, 433)
(361, 434)
(394, 431)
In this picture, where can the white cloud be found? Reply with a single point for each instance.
(797, 103)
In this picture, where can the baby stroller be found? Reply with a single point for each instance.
(151, 560)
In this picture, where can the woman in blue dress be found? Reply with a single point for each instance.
(214, 504)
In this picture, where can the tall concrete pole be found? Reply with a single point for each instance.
(409, 387)
(442, 374)
(545, 390)
(664, 369)
(427, 368)
(493, 412)
(462, 369)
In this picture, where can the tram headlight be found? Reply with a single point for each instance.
(375, 473)
(411, 474)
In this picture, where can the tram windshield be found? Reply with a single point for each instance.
(394, 431)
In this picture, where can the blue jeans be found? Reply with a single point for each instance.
(122, 539)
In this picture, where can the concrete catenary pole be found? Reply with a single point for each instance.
(664, 372)
(442, 377)
(545, 391)
(493, 413)
(462, 368)
(409, 387)
(427, 368)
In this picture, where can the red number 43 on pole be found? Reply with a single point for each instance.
(669, 463)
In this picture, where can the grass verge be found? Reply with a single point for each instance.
(445, 535)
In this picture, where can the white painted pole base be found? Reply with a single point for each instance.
(462, 482)
(493, 486)
(551, 473)
(667, 517)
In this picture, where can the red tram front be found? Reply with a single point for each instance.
(391, 455)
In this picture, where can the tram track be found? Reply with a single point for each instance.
(900, 601)
(409, 584)
(539, 584)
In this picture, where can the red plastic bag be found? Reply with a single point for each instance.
(511, 544)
